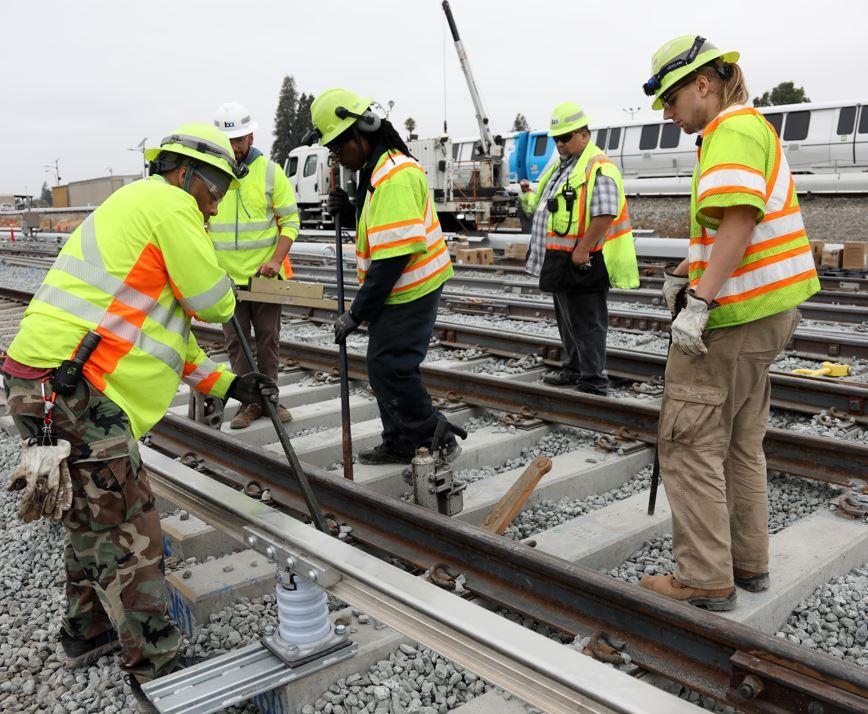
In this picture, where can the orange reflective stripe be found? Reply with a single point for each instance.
(433, 226)
(287, 268)
(779, 214)
(618, 234)
(768, 260)
(397, 243)
(770, 186)
(424, 260)
(730, 189)
(774, 242)
(396, 224)
(393, 171)
(422, 280)
(791, 280)
(738, 167)
(716, 122)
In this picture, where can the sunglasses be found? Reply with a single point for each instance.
(563, 138)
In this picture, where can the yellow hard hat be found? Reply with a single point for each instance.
(204, 143)
(567, 117)
(336, 110)
(678, 58)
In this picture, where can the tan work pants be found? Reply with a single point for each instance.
(712, 424)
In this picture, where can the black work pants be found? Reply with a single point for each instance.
(397, 344)
(264, 318)
(583, 321)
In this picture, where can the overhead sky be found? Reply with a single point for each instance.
(82, 81)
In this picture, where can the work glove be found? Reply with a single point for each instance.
(344, 325)
(253, 388)
(43, 474)
(339, 205)
(688, 326)
(672, 285)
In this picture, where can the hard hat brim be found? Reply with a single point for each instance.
(337, 129)
(674, 77)
(154, 152)
(238, 133)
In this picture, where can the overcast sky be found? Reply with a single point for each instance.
(82, 81)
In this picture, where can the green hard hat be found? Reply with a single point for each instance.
(567, 117)
(678, 58)
(202, 142)
(324, 112)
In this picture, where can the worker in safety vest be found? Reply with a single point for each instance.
(749, 265)
(402, 265)
(252, 233)
(128, 281)
(581, 243)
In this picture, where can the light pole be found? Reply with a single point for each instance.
(141, 147)
(632, 111)
(54, 166)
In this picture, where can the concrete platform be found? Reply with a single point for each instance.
(211, 587)
(374, 645)
(192, 538)
(572, 475)
(493, 702)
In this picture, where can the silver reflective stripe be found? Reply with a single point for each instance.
(574, 117)
(70, 303)
(123, 329)
(161, 351)
(243, 227)
(128, 295)
(89, 247)
(704, 47)
(284, 211)
(244, 244)
(209, 298)
(192, 142)
(269, 188)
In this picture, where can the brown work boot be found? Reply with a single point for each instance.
(752, 582)
(717, 600)
(246, 415)
(283, 414)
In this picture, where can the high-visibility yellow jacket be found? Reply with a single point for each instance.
(741, 164)
(135, 271)
(249, 220)
(398, 218)
(564, 229)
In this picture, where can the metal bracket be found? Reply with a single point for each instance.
(234, 677)
(524, 419)
(853, 503)
(622, 440)
(205, 409)
(299, 655)
(293, 559)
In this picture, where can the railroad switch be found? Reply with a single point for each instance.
(205, 409)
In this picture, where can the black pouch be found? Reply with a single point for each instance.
(558, 273)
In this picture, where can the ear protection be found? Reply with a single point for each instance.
(367, 123)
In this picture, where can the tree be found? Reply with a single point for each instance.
(520, 123)
(410, 126)
(784, 93)
(284, 121)
(45, 195)
(302, 124)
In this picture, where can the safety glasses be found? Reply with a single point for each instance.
(563, 138)
(668, 99)
(217, 184)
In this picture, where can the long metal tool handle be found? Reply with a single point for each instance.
(346, 430)
(306, 491)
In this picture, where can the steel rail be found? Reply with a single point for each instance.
(537, 669)
(835, 461)
(705, 652)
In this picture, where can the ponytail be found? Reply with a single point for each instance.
(730, 78)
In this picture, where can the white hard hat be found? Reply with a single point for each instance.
(234, 120)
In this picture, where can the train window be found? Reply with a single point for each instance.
(797, 125)
(846, 120)
(649, 136)
(614, 138)
(863, 121)
(309, 166)
(540, 145)
(776, 120)
(601, 138)
(670, 136)
(455, 148)
(293, 166)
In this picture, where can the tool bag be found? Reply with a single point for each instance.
(558, 274)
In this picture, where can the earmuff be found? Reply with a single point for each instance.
(367, 123)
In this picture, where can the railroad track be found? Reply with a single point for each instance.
(720, 658)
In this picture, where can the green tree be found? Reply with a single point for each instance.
(784, 93)
(520, 123)
(410, 126)
(302, 124)
(284, 121)
(45, 195)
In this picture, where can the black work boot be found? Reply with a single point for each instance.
(560, 379)
(143, 704)
(383, 454)
(83, 653)
(752, 582)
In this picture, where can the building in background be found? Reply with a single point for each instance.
(90, 192)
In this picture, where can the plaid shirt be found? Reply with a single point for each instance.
(604, 202)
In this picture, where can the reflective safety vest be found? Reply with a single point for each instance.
(398, 218)
(249, 220)
(741, 163)
(565, 229)
(135, 271)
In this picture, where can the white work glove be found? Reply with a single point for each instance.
(672, 285)
(43, 474)
(688, 326)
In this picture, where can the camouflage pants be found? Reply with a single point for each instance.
(114, 552)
